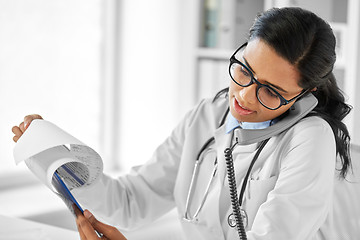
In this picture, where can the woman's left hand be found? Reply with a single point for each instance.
(87, 224)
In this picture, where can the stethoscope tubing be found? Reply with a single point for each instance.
(194, 217)
(195, 173)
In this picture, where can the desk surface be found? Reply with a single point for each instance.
(12, 228)
(21, 229)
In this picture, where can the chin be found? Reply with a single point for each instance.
(243, 118)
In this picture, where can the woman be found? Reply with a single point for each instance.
(280, 121)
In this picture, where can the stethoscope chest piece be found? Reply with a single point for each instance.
(232, 220)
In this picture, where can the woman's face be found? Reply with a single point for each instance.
(268, 68)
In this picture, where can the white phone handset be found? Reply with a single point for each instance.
(299, 110)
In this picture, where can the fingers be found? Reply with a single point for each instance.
(29, 118)
(87, 224)
(86, 231)
(78, 213)
(19, 130)
(22, 127)
(82, 235)
(109, 232)
(76, 210)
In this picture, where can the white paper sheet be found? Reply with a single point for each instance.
(46, 148)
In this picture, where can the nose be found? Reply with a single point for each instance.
(248, 94)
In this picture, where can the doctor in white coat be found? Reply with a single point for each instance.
(288, 150)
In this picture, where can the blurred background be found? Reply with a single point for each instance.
(119, 74)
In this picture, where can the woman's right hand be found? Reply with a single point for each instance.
(19, 130)
(88, 227)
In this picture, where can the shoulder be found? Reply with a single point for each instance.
(313, 126)
(209, 111)
(308, 147)
(205, 116)
(313, 132)
(214, 104)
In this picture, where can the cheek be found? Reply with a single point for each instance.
(235, 90)
(264, 114)
(281, 110)
(232, 86)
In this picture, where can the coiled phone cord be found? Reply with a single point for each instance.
(235, 201)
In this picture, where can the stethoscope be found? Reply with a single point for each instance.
(238, 217)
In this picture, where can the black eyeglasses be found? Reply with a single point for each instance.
(244, 77)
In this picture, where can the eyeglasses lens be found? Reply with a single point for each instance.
(240, 74)
(268, 97)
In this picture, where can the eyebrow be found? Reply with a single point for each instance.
(266, 82)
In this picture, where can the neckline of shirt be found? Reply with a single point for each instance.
(233, 123)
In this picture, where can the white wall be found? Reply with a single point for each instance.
(52, 62)
(150, 58)
(49, 64)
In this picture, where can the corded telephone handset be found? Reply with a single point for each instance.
(298, 111)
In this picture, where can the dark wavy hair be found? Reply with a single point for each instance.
(308, 42)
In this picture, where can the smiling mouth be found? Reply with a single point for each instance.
(241, 109)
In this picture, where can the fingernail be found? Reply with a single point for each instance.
(87, 214)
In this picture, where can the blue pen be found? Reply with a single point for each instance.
(68, 195)
(66, 192)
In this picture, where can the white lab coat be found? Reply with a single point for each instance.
(289, 195)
